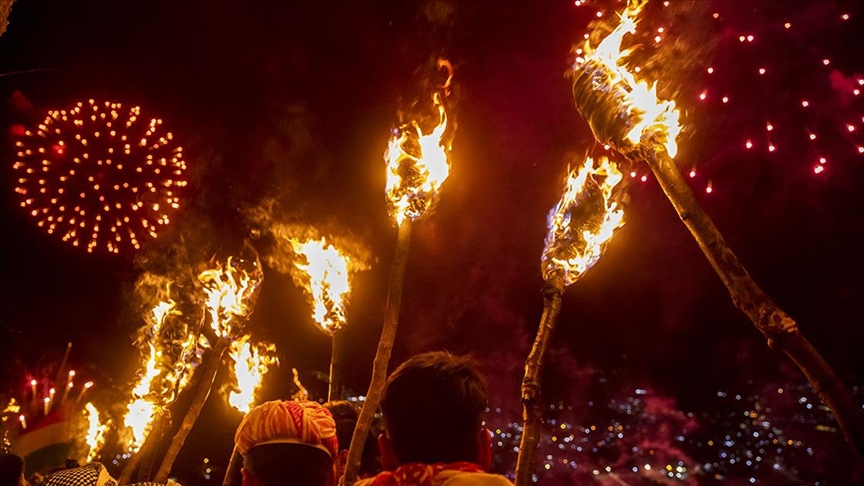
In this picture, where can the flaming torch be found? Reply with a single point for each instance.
(146, 404)
(229, 291)
(325, 275)
(626, 114)
(163, 375)
(417, 166)
(96, 431)
(580, 227)
(251, 363)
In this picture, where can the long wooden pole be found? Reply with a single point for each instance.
(382, 356)
(146, 449)
(780, 330)
(146, 467)
(233, 471)
(194, 411)
(532, 414)
(337, 350)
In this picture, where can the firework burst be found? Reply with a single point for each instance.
(100, 175)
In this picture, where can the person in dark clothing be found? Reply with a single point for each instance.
(12, 470)
(434, 406)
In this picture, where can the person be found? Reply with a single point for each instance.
(434, 406)
(12, 470)
(91, 474)
(346, 414)
(288, 442)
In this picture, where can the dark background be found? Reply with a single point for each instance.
(292, 102)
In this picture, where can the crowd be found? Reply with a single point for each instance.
(433, 434)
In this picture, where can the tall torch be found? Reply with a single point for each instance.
(626, 114)
(229, 292)
(251, 363)
(580, 227)
(146, 409)
(417, 166)
(324, 274)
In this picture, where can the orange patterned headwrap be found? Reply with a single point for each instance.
(288, 422)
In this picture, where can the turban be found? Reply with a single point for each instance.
(288, 422)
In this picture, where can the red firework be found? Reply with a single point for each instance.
(99, 175)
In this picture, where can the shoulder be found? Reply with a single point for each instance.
(458, 478)
(366, 482)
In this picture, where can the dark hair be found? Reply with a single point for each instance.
(11, 469)
(433, 408)
(280, 464)
(346, 414)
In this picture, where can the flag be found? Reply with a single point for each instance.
(47, 444)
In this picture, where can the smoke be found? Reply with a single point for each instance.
(274, 231)
(687, 40)
(844, 87)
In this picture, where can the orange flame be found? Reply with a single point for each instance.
(326, 280)
(96, 431)
(251, 363)
(417, 166)
(302, 393)
(145, 402)
(229, 291)
(604, 72)
(12, 407)
(583, 221)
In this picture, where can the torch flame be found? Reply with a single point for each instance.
(417, 166)
(251, 363)
(302, 393)
(326, 279)
(229, 291)
(95, 437)
(144, 405)
(11, 407)
(602, 73)
(583, 221)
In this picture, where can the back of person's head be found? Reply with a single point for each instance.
(346, 414)
(433, 407)
(287, 442)
(281, 464)
(11, 470)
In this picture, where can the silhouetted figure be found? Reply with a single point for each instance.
(12, 470)
(288, 442)
(433, 406)
(345, 414)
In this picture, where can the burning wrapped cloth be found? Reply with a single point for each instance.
(622, 111)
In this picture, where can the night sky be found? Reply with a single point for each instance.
(288, 106)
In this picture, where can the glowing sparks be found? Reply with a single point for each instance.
(81, 176)
(583, 221)
(96, 431)
(604, 89)
(251, 363)
(417, 164)
(228, 293)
